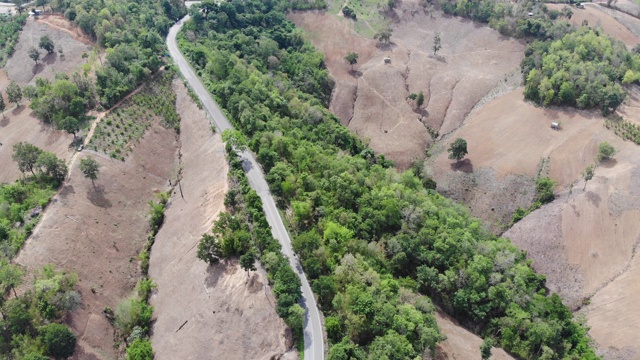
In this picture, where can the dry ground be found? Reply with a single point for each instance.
(228, 314)
(474, 60)
(460, 343)
(23, 70)
(18, 124)
(97, 232)
(508, 140)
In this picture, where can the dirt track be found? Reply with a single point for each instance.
(222, 305)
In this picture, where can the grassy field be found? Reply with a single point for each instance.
(10, 27)
(370, 14)
(118, 132)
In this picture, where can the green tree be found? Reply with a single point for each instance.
(485, 348)
(351, 58)
(605, 152)
(3, 106)
(26, 155)
(41, 3)
(247, 261)
(383, 36)
(14, 93)
(51, 166)
(46, 44)
(59, 341)
(71, 125)
(437, 43)
(587, 174)
(90, 168)
(544, 190)
(420, 99)
(209, 249)
(140, 349)
(10, 277)
(34, 54)
(235, 139)
(458, 149)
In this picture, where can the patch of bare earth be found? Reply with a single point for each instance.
(206, 312)
(18, 124)
(460, 343)
(23, 70)
(508, 141)
(372, 101)
(586, 243)
(98, 231)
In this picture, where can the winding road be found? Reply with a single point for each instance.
(313, 336)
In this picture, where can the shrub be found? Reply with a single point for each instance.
(140, 350)
(59, 341)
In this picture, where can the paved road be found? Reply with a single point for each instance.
(313, 338)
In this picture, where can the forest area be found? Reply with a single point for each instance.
(380, 247)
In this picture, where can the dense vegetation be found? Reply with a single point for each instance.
(133, 33)
(29, 327)
(372, 241)
(10, 27)
(126, 124)
(583, 68)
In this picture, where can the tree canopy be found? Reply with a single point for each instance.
(377, 246)
(458, 149)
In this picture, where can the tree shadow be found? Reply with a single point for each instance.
(463, 165)
(214, 272)
(18, 110)
(439, 58)
(594, 198)
(4, 121)
(96, 195)
(67, 190)
(386, 46)
(50, 58)
(37, 68)
(609, 163)
(355, 73)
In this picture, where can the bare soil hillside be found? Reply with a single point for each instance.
(222, 306)
(97, 232)
(510, 141)
(588, 248)
(474, 61)
(23, 70)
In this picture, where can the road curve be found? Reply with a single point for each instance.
(313, 336)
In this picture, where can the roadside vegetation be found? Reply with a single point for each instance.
(10, 27)
(243, 231)
(122, 127)
(377, 245)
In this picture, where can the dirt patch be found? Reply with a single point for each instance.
(23, 70)
(597, 16)
(222, 305)
(18, 124)
(473, 61)
(97, 232)
(508, 140)
(588, 247)
(461, 343)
